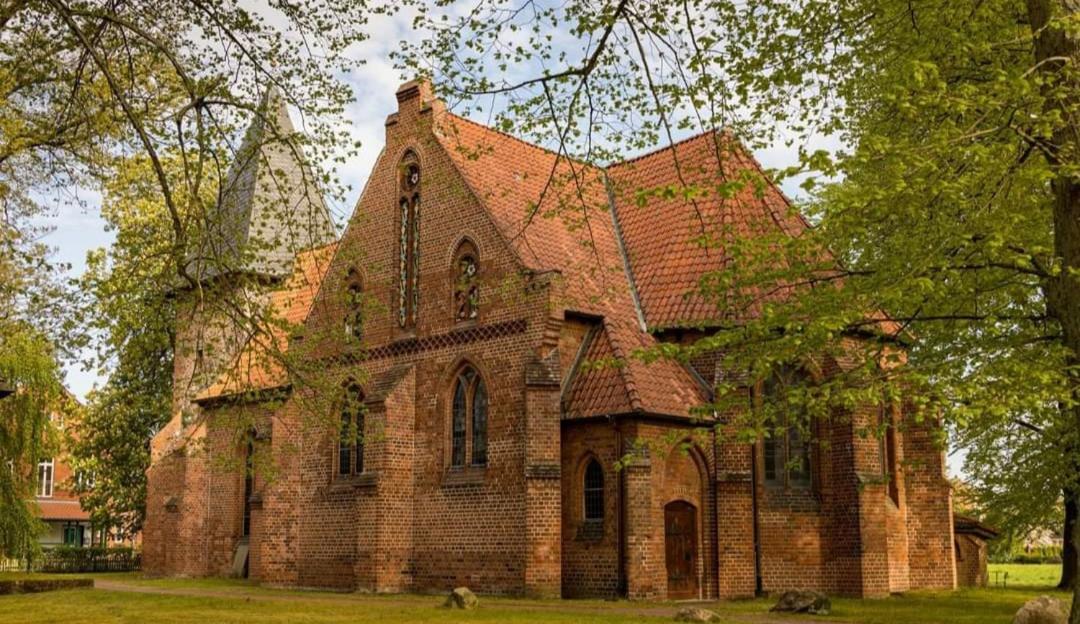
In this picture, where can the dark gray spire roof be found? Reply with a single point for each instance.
(270, 206)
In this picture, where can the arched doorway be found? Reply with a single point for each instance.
(680, 544)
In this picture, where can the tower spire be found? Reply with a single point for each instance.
(269, 207)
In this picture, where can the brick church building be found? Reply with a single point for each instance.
(460, 428)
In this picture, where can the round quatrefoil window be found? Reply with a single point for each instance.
(412, 177)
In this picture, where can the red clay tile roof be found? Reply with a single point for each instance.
(670, 201)
(596, 386)
(259, 366)
(555, 213)
(965, 525)
(59, 509)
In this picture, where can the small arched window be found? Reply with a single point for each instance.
(354, 307)
(409, 240)
(351, 438)
(594, 491)
(466, 286)
(468, 420)
(785, 450)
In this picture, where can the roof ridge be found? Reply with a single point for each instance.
(623, 254)
(518, 139)
(629, 382)
(604, 168)
(660, 150)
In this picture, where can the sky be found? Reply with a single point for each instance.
(78, 229)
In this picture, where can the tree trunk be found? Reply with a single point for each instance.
(1058, 57)
(1069, 558)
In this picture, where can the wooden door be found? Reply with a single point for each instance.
(680, 540)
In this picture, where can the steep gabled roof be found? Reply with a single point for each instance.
(259, 365)
(269, 208)
(965, 525)
(553, 212)
(556, 215)
(677, 206)
(596, 386)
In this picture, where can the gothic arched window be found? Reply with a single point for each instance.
(408, 240)
(468, 420)
(594, 491)
(351, 439)
(887, 449)
(354, 307)
(785, 450)
(466, 287)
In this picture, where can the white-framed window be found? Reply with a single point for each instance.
(45, 479)
(85, 480)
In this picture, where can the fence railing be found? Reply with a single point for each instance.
(13, 565)
(69, 559)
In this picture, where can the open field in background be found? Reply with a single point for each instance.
(127, 598)
(1025, 575)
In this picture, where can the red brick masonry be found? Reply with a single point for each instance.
(563, 284)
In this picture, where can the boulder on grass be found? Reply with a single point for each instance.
(1042, 610)
(462, 598)
(812, 602)
(696, 614)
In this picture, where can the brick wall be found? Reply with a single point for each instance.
(971, 552)
(590, 564)
(412, 522)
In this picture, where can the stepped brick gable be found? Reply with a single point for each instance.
(446, 395)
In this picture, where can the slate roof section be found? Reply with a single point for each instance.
(259, 365)
(270, 207)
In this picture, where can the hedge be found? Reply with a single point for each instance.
(93, 559)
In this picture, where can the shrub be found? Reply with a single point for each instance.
(92, 559)
(1040, 554)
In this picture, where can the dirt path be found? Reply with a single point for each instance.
(242, 593)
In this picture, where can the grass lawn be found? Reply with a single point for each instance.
(217, 600)
(1025, 574)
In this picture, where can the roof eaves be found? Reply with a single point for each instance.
(661, 150)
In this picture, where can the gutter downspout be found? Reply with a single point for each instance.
(621, 584)
(758, 585)
(716, 505)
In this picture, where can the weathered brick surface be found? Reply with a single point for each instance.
(970, 561)
(412, 522)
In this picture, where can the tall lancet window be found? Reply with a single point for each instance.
(409, 240)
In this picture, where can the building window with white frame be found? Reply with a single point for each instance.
(45, 479)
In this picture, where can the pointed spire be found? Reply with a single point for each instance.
(269, 207)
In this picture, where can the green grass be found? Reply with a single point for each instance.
(223, 600)
(1026, 574)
